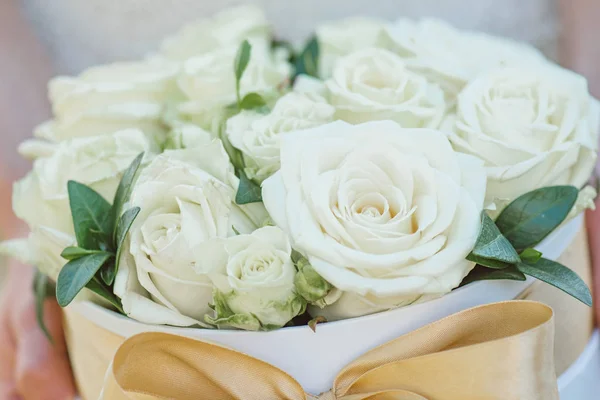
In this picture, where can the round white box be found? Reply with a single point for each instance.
(315, 358)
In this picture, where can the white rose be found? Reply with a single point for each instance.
(108, 98)
(187, 210)
(255, 289)
(450, 57)
(532, 128)
(41, 198)
(227, 28)
(374, 84)
(208, 82)
(340, 38)
(186, 136)
(383, 213)
(258, 136)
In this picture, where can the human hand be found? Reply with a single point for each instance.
(31, 367)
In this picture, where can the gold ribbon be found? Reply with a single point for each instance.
(501, 351)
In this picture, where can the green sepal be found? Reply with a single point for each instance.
(308, 283)
(225, 317)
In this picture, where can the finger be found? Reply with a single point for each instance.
(592, 219)
(42, 368)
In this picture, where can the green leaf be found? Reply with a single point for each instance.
(558, 276)
(480, 273)
(225, 317)
(491, 244)
(42, 289)
(248, 191)
(252, 101)
(100, 289)
(108, 272)
(123, 192)
(76, 274)
(531, 217)
(241, 62)
(90, 216)
(123, 227)
(308, 60)
(530, 255)
(487, 262)
(74, 252)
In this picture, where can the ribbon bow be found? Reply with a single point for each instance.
(500, 351)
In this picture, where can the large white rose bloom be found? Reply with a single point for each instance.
(375, 84)
(451, 57)
(255, 288)
(258, 136)
(226, 28)
(208, 83)
(383, 213)
(187, 210)
(340, 38)
(41, 198)
(532, 127)
(108, 98)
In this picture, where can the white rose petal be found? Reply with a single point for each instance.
(532, 128)
(177, 240)
(41, 198)
(227, 28)
(340, 38)
(374, 84)
(257, 135)
(109, 98)
(378, 210)
(451, 57)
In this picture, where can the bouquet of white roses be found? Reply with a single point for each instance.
(228, 181)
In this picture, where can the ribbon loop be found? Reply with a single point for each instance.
(501, 351)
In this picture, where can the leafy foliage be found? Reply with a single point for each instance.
(308, 60)
(100, 230)
(248, 191)
(504, 249)
(42, 289)
(242, 58)
(531, 217)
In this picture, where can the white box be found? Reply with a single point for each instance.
(314, 359)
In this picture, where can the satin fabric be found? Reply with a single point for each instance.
(500, 351)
